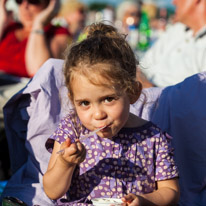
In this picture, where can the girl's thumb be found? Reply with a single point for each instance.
(66, 143)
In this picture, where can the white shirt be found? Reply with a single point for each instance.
(176, 55)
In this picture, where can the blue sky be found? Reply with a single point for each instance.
(161, 3)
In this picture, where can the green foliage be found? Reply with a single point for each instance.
(97, 6)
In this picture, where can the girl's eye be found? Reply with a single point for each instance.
(84, 103)
(109, 99)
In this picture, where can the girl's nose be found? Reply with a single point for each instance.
(99, 114)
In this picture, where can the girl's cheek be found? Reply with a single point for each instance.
(83, 116)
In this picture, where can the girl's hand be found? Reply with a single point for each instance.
(74, 153)
(46, 15)
(132, 200)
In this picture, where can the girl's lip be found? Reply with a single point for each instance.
(106, 126)
(102, 127)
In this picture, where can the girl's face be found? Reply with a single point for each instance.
(99, 106)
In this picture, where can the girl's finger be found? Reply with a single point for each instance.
(128, 198)
(79, 145)
(83, 155)
(68, 142)
(72, 150)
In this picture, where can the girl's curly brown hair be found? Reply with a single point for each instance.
(103, 45)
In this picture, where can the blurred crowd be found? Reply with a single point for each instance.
(42, 29)
(34, 31)
(169, 43)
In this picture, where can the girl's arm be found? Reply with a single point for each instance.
(57, 179)
(166, 194)
(38, 49)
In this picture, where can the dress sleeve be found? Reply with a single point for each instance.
(52, 31)
(165, 164)
(69, 127)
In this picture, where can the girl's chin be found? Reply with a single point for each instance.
(108, 132)
(107, 135)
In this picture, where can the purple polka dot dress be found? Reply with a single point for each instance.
(130, 162)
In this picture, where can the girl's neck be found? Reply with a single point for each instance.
(134, 121)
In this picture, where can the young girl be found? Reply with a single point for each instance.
(130, 158)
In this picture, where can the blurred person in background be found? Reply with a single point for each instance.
(179, 52)
(72, 15)
(158, 20)
(25, 45)
(128, 14)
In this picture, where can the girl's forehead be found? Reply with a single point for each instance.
(95, 72)
(93, 78)
(100, 74)
(98, 82)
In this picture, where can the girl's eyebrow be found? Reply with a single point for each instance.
(109, 95)
(102, 97)
(81, 100)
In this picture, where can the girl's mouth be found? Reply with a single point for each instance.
(106, 127)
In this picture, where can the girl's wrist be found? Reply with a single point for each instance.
(65, 163)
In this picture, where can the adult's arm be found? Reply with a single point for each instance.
(5, 17)
(38, 49)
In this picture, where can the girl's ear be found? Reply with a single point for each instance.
(137, 91)
(70, 98)
(69, 95)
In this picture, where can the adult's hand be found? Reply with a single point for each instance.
(3, 11)
(5, 17)
(47, 14)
